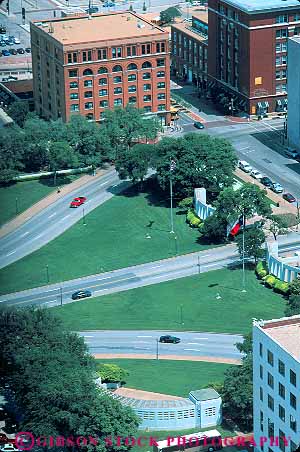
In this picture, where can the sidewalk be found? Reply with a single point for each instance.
(13, 224)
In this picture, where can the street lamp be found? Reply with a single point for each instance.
(244, 281)
(199, 269)
(157, 342)
(172, 168)
(83, 217)
(17, 210)
(181, 314)
(61, 296)
(47, 272)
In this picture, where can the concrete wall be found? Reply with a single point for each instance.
(282, 268)
(202, 209)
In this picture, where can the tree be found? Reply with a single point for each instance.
(144, 7)
(61, 156)
(168, 15)
(134, 164)
(214, 228)
(293, 305)
(11, 153)
(186, 203)
(277, 225)
(36, 141)
(50, 376)
(201, 161)
(237, 391)
(254, 239)
(295, 287)
(18, 111)
(112, 373)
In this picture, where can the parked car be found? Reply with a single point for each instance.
(13, 51)
(277, 188)
(199, 125)
(292, 153)
(289, 197)
(169, 339)
(256, 174)
(267, 182)
(21, 50)
(28, 50)
(243, 165)
(2, 43)
(92, 10)
(81, 294)
(5, 52)
(2, 29)
(17, 41)
(108, 4)
(78, 201)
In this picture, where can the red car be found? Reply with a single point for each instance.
(78, 201)
(289, 197)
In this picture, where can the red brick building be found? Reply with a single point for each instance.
(87, 64)
(247, 56)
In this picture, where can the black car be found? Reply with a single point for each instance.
(169, 339)
(21, 51)
(81, 294)
(28, 50)
(13, 51)
(199, 125)
(266, 181)
(92, 10)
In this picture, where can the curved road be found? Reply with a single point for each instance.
(136, 276)
(56, 218)
(192, 345)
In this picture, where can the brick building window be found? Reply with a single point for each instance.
(88, 94)
(73, 73)
(72, 57)
(102, 54)
(89, 116)
(102, 81)
(146, 65)
(147, 109)
(131, 77)
(161, 85)
(146, 75)
(161, 74)
(118, 90)
(118, 79)
(73, 85)
(147, 98)
(146, 49)
(118, 101)
(74, 96)
(161, 107)
(131, 51)
(102, 70)
(282, 33)
(88, 83)
(74, 107)
(88, 105)
(102, 92)
(147, 87)
(132, 100)
(117, 68)
(87, 55)
(161, 96)
(103, 103)
(116, 52)
(87, 72)
(283, 18)
(160, 62)
(132, 67)
(132, 89)
(160, 47)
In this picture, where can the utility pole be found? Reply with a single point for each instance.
(172, 168)
(157, 348)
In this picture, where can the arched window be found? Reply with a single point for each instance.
(146, 65)
(117, 68)
(102, 70)
(131, 67)
(88, 72)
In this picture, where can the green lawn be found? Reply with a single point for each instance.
(20, 196)
(115, 236)
(158, 306)
(169, 377)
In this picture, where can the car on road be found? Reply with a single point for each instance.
(244, 166)
(256, 174)
(13, 51)
(292, 153)
(92, 10)
(199, 125)
(289, 197)
(267, 182)
(169, 339)
(277, 188)
(28, 50)
(108, 4)
(78, 201)
(81, 294)
(2, 29)
(21, 51)
(5, 52)
(17, 41)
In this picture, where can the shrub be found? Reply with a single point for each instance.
(295, 287)
(261, 269)
(281, 287)
(192, 219)
(200, 227)
(189, 216)
(186, 203)
(270, 280)
(195, 222)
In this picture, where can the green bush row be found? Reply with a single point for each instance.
(271, 281)
(193, 220)
(261, 269)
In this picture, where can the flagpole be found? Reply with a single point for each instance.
(172, 167)
(244, 280)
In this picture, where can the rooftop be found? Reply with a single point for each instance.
(186, 27)
(101, 27)
(286, 332)
(205, 394)
(253, 6)
(144, 399)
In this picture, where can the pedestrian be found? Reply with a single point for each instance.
(58, 189)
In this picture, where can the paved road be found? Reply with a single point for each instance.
(136, 276)
(192, 344)
(56, 218)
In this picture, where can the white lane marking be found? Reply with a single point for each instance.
(25, 233)
(142, 348)
(156, 266)
(88, 336)
(192, 349)
(47, 302)
(66, 216)
(205, 255)
(31, 299)
(200, 339)
(50, 216)
(37, 237)
(100, 185)
(144, 336)
(192, 343)
(9, 254)
(141, 342)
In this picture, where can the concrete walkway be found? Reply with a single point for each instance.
(209, 359)
(13, 224)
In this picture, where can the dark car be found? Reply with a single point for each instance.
(81, 294)
(2, 43)
(21, 50)
(78, 201)
(2, 29)
(13, 51)
(92, 10)
(199, 125)
(108, 4)
(289, 197)
(28, 50)
(266, 181)
(169, 339)
(5, 52)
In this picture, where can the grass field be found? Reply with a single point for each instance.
(158, 306)
(20, 196)
(115, 236)
(169, 377)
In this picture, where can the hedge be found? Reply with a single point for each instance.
(270, 281)
(261, 269)
(281, 287)
(193, 220)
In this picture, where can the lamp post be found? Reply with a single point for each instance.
(61, 296)
(244, 280)
(181, 314)
(47, 273)
(83, 217)
(172, 168)
(157, 342)
(199, 269)
(17, 209)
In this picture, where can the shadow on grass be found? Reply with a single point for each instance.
(60, 180)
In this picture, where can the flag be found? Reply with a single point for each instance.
(233, 229)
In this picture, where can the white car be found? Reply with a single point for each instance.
(277, 188)
(17, 41)
(245, 166)
(8, 447)
(256, 174)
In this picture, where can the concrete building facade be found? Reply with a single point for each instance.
(293, 118)
(276, 383)
(247, 60)
(189, 49)
(86, 64)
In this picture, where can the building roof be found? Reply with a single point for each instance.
(254, 6)
(19, 86)
(100, 27)
(186, 28)
(201, 15)
(144, 399)
(205, 394)
(286, 332)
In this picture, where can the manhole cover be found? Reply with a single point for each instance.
(267, 161)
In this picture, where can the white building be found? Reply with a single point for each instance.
(208, 407)
(276, 383)
(293, 118)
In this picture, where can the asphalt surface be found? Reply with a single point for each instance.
(136, 276)
(56, 218)
(192, 344)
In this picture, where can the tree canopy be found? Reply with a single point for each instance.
(168, 15)
(254, 239)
